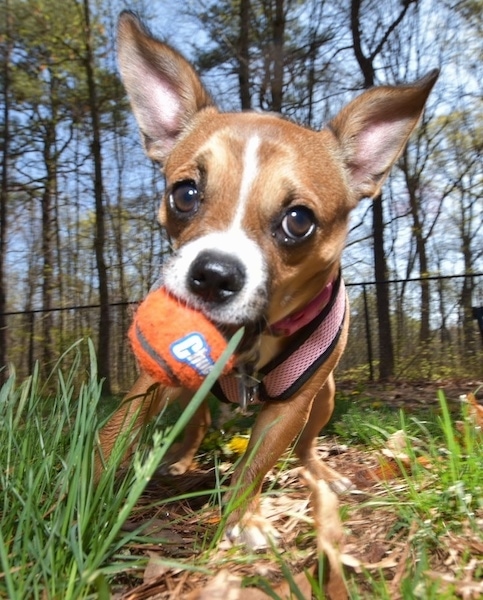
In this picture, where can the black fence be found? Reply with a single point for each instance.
(453, 349)
(454, 344)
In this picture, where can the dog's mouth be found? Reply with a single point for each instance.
(228, 319)
(247, 350)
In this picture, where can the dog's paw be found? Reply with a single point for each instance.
(341, 486)
(255, 533)
(173, 468)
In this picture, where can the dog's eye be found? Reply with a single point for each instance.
(185, 198)
(297, 224)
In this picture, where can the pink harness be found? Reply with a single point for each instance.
(318, 327)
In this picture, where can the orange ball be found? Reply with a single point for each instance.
(175, 344)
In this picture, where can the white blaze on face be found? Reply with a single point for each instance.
(233, 241)
(249, 174)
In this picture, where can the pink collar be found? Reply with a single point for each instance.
(297, 320)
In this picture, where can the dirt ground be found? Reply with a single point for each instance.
(414, 395)
(374, 539)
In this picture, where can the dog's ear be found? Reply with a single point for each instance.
(374, 128)
(164, 89)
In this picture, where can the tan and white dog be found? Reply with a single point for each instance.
(256, 208)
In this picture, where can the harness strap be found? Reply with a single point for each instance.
(282, 377)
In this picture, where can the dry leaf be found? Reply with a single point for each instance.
(224, 586)
(394, 463)
(386, 470)
(253, 594)
(329, 534)
(403, 559)
(302, 583)
(386, 563)
(468, 590)
(397, 441)
(476, 410)
(283, 590)
(154, 569)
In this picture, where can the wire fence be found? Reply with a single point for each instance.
(454, 347)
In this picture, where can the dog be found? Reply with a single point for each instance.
(256, 208)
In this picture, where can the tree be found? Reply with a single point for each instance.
(54, 111)
(103, 349)
(269, 50)
(41, 69)
(244, 56)
(366, 59)
(4, 192)
(459, 166)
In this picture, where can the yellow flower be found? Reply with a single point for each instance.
(237, 445)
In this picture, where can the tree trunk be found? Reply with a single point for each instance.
(414, 203)
(4, 199)
(386, 351)
(383, 298)
(277, 56)
(103, 351)
(48, 284)
(244, 56)
(466, 298)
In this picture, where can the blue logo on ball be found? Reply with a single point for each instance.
(193, 349)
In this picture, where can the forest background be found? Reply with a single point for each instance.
(79, 241)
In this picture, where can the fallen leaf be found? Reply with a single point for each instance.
(250, 593)
(385, 471)
(468, 590)
(302, 584)
(224, 586)
(389, 562)
(397, 441)
(157, 529)
(476, 410)
(154, 569)
(330, 534)
(403, 560)
(284, 590)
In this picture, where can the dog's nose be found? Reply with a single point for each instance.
(215, 276)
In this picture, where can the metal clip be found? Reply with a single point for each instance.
(247, 390)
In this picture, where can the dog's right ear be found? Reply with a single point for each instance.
(164, 89)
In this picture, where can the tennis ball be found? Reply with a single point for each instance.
(175, 344)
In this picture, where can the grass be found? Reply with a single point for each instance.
(63, 537)
(60, 535)
(438, 498)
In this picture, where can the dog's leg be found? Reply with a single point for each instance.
(142, 402)
(305, 448)
(180, 456)
(276, 426)
(273, 431)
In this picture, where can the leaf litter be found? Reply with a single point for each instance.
(181, 564)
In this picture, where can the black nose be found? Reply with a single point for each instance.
(215, 276)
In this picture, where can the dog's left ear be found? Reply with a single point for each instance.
(373, 130)
(164, 89)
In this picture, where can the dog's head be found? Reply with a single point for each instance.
(256, 206)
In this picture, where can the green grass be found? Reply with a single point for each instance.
(439, 495)
(62, 537)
